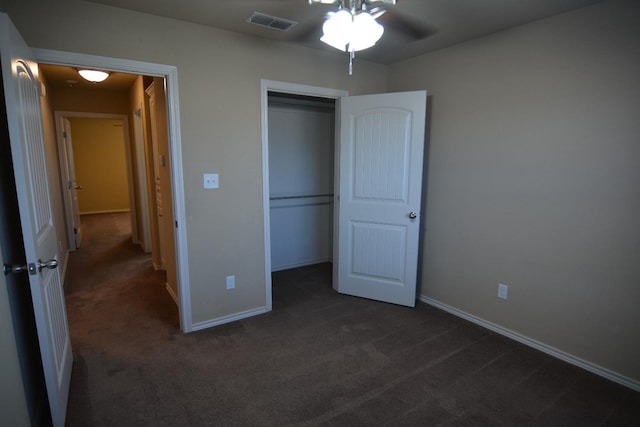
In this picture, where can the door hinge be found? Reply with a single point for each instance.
(64, 134)
(176, 224)
(75, 230)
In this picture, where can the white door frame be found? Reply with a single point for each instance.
(63, 152)
(66, 165)
(267, 86)
(141, 178)
(170, 74)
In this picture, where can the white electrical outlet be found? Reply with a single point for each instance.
(231, 282)
(211, 180)
(503, 291)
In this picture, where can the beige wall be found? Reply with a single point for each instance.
(219, 89)
(88, 101)
(13, 403)
(534, 180)
(100, 161)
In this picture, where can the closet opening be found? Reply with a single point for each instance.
(301, 152)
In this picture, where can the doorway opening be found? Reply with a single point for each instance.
(165, 80)
(99, 166)
(95, 168)
(301, 154)
(301, 171)
(298, 143)
(378, 183)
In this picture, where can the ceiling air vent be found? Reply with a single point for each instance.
(269, 21)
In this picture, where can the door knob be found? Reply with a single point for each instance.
(31, 268)
(14, 269)
(413, 215)
(78, 187)
(52, 263)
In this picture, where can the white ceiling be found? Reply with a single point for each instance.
(447, 21)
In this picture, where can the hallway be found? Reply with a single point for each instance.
(113, 297)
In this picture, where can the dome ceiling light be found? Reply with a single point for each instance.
(93, 76)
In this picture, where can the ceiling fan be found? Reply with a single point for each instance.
(356, 25)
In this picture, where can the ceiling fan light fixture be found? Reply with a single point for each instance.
(365, 31)
(348, 32)
(354, 27)
(337, 29)
(94, 76)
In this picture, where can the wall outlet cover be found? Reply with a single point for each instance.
(210, 180)
(503, 291)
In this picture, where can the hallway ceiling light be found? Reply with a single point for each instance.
(94, 76)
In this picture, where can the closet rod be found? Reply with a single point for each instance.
(299, 197)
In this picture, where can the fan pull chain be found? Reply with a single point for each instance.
(352, 55)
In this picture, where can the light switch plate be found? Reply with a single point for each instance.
(211, 180)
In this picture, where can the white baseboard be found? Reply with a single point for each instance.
(552, 351)
(174, 297)
(227, 319)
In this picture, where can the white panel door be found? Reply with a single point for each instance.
(72, 185)
(380, 187)
(21, 91)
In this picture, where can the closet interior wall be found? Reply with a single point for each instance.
(301, 168)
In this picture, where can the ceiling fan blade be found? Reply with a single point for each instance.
(308, 33)
(410, 28)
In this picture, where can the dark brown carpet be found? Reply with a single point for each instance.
(318, 358)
